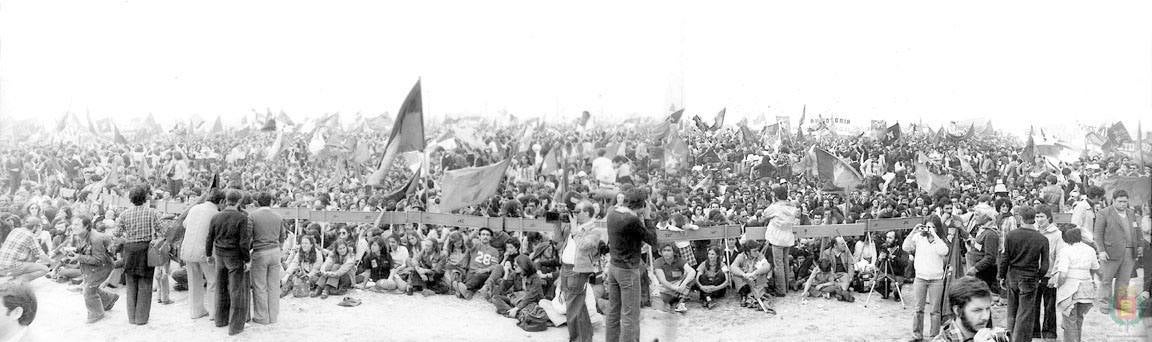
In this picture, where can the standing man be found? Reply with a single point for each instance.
(1116, 238)
(1045, 327)
(140, 225)
(627, 233)
(267, 236)
(230, 240)
(1022, 264)
(781, 217)
(200, 268)
(579, 244)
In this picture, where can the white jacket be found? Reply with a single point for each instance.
(196, 226)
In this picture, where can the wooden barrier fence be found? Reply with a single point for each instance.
(539, 225)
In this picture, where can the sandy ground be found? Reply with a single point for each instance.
(395, 317)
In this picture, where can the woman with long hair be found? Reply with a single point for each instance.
(376, 266)
(335, 275)
(712, 277)
(427, 270)
(303, 268)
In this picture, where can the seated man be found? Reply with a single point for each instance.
(750, 274)
(841, 260)
(21, 257)
(674, 276)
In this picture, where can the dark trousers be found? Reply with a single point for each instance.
(574, 285)
(139, 297)
(1022, 296)
(989, 277)
(95, 299)
(622, 319)
(1044, 326)
(231, 294)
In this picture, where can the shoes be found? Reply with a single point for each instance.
(111, 303)
(681, 307)
(707, 302)
(95, 319)
(428, 293)
(408, 291)
(315, 293)
(165, 301)
(324, 294)
(349, 302)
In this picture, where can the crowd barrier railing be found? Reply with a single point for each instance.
(539, 225)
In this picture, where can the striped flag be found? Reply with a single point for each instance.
(407, 133)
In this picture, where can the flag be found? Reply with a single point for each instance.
(407, 133)
(408, 189)
(1118, 134)
(703, 184)
(1138, 188)
(719, 121)
(800, 126)
(63, 124)
(269, 126)
(892, 134)
(966, 168)
(284, 119)
(746, 133)
(91, 127)
(830, 167)
(1029, 153)
(663, 128)
(526, 138)
(119, 139)
(551, 162)
(879, 129)
(218, 127)
(964, 136)
(988, 130)
(362, 153)
(708, 157)
(316, 144)
(379, 122)
(585, 119)
(676, 153)
(333, 120)
(700, 123)
(469, 186)
(930, 182)
(276, 147)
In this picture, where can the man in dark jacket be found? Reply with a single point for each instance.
(230, 241)
(95, 264)
(627, 233)
(1025, 255)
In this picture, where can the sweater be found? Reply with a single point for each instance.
(1025, 254)
(626, 235)
(930, 255)
(268, 229)
(782, 218)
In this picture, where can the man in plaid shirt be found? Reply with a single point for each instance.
(21, 257)
(140, 225)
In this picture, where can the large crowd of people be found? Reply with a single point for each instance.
(989, 233)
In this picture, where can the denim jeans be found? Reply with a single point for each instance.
(231, 294)
(574, 286)
(265, 275)
(96, 298)
(138, 297)
(780, 269)
(1044, 326)
(926, 292)
(622, 319)
(1022, 293)
(1074, 321)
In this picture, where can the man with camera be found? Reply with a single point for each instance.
(931, 253)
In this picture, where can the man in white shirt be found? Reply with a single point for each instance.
(579, 243)
(602, 169)
(200, 268)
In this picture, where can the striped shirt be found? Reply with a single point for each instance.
(140, 224)
(20, 246)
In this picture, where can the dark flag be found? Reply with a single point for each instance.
(1118, 134)
(269, 126)
(988, 130)
(892, 134)
(408, 189)
(407, 133)
(700, 123)
(218, 127)
(1029, 153)
(664, 128)
(800, 126)
(719, 121)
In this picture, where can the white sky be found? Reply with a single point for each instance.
(1019, 63)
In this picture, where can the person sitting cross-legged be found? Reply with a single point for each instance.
(750, 273)
(712, 278)
(675, 277)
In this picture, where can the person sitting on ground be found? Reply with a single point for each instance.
(376, 267)
(427, 271)
(712, 278)
(750, 272)
(456, 258)
(841, 260)
(335, 275)
(21, 257)
(823, 283)
(400, 264)
(303, 268)
(675, 277)
(519, 294)
(482, 262)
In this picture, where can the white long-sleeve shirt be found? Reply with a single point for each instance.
(930, 256)
(196, 227)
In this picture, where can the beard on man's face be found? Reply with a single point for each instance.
(972, 325)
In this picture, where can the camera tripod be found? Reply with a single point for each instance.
(886, 275)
